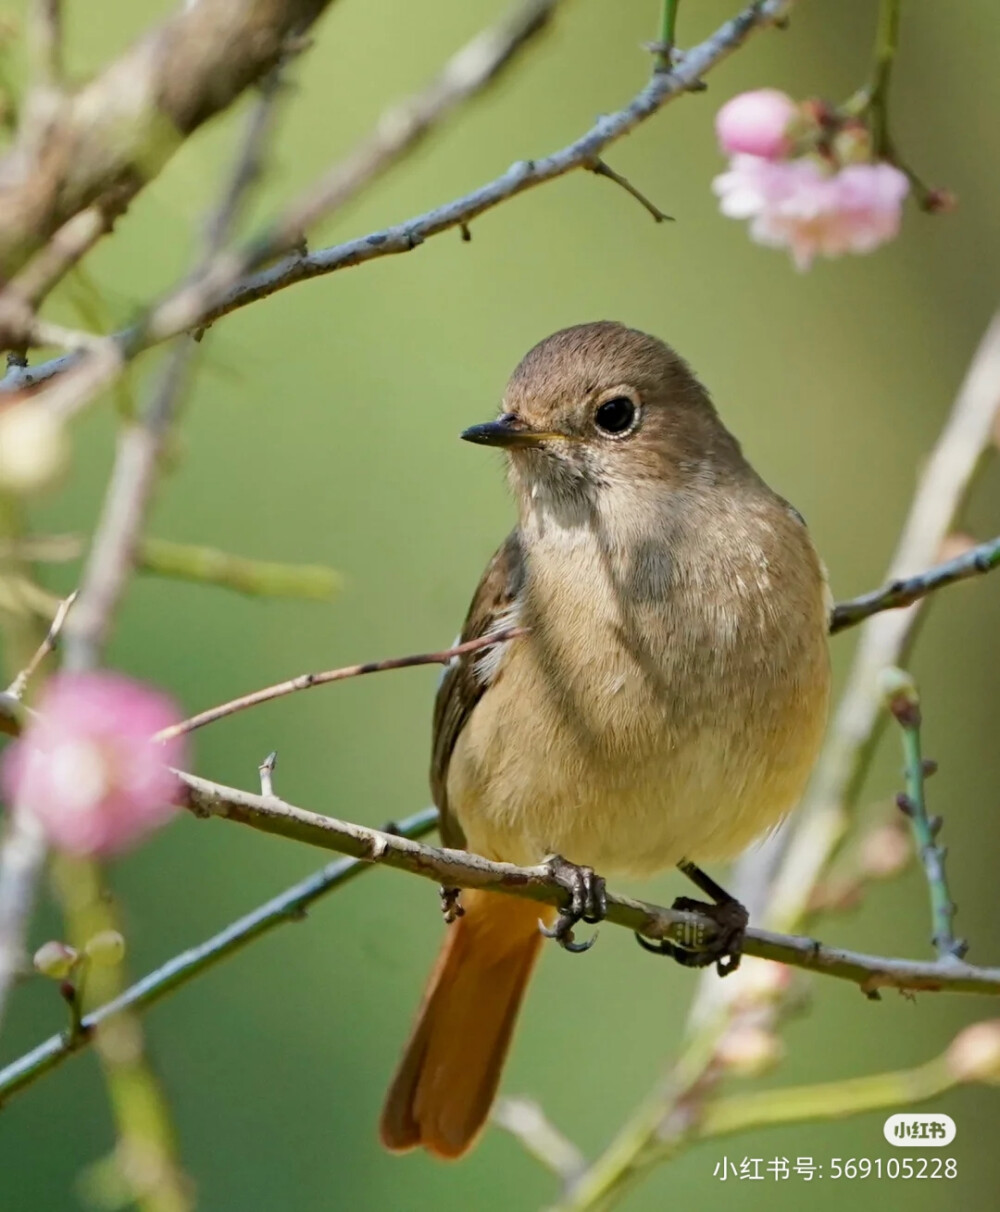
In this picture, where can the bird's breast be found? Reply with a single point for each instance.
(666, 701)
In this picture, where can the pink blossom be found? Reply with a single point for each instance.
(756, 124)
(803, 206)
(88, 768)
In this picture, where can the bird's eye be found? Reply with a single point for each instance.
(615, 416)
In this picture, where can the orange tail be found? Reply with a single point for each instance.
(444, 1087)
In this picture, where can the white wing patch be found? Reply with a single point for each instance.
(487, 665)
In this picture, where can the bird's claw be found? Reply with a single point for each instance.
(451, 904)
(588, 902)
(724, 950)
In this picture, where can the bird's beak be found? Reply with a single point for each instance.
(507, 430)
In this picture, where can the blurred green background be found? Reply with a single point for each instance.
(323, 428)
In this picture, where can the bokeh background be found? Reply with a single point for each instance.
(323, 428)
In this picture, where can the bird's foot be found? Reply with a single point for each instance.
(451, 904)
(587, 902)
(725, 947)
(730, 917)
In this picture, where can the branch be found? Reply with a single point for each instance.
(108, 140)
(289, 906)
(259, 578)
(520, 177)
(904, 591)
(398, 132)
(904, 704)
(306, 681)
(51, 642)
(462, 869)
(137, 462)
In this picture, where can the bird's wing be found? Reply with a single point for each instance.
(466, 678)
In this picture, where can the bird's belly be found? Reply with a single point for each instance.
(642, 788)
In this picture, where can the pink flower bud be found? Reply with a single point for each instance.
(756, 124)
(87, 767)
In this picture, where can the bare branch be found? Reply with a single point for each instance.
(462, 869)
(133, 477)
(901, 694)
(400, 129)
(600, 169)
(307, 681)
(663, 88)
(17, 688)
(904, 591)
(266, 772)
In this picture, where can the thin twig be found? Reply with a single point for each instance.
(130, 490)
(462, 869)
(904, 591)
(458, 213)
(307, 681)
(600, 169)
(266, 772)
(289, 906)
(665, 44)
(259, 578)
(903, 703)
(51, 642)
(886, 45)
(135, 471)
(399, 130)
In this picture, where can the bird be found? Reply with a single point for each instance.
(661, 703)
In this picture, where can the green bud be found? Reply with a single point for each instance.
(899, 694)
(106, 949)
(56, 960)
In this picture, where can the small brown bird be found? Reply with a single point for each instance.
(664, 706)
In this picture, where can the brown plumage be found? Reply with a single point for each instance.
(667, 702)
